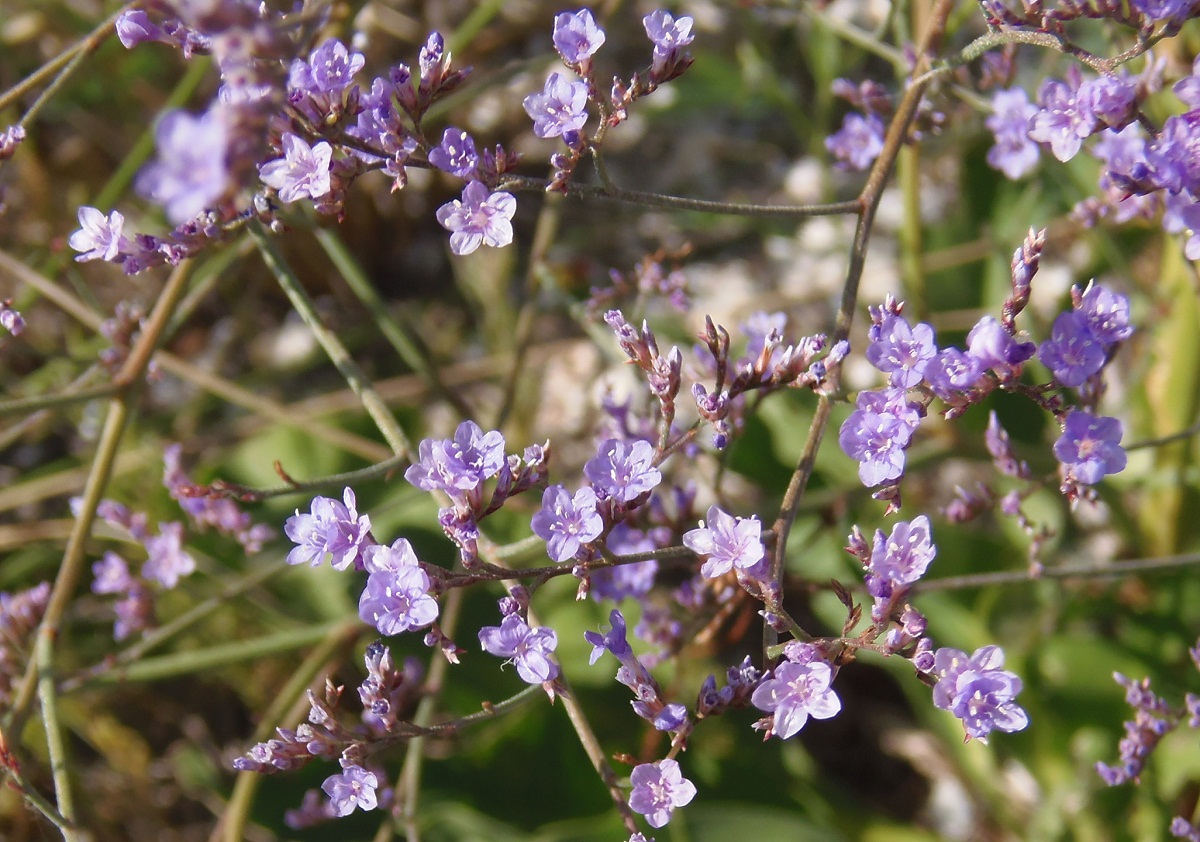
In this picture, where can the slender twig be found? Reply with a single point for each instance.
(868, 200)
(17, 783)
(56, 744)
(69, 397)
(660, 200)
(1067, 571)
(72, 564)
(221, 488)
(66, 61)
(329, 341)
(543, 237)
(1169, 438)
(397, 334)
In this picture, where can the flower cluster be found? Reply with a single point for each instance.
(798, 688)
(219, 513)
(20, 614)
(978, 691)
(330, 529)
(528, 649)
(166, 563)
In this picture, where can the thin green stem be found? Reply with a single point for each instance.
(184, 663)
(247, 494)
(30, 795)
(1066, 571)
(660, 200)
(56, 744)
(19, 406)
(329, 341)
(102, 463)
(399, 336)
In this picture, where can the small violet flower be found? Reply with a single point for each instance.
(559, 109)
(1014, 154)
(190, 172)
(576, 36)
(99, 237)
(455, 154)
(978, 691)
(481, 218)
(901, 351)
(858, 142)
(168, 562)
(528, 649)
(331, 528)
(1090, 447)
(659, 788)
(396, 598)
(1072, 352)
(566, 523)
(354, 787)
(901, 558)
(794, 693)
(623, 470)
(303, 171)
(727, 542)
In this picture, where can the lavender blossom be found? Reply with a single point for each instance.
(331, 528)
(190, 173)
(110, 575)
(668, 34)
(876, 435)
(462, 463)
(658, 789)
(901, 351)
(330, 69)
(99, 237)
(795, 692)
(481, 218)
(900, 559)
(857, 144)
(952, 372)
(396, 598)
(625, 580)
(566, 523)
(726, 542)
(1014, 154)
(978, 691)
(997, 349)
(1106, 314)
(623, 471)
(353, 787)
(1090, 447)
(560, 109)
(302, 172)
(455, 154)
(10, 319)
(168, 561)
(576, 36)
(1062, 121)
(1072, 352)
(527, 648)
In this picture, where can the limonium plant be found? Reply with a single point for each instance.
(725, 435)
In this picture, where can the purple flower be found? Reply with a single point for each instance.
(668, 34)
(455, 154)
(110, 575)
(354, 787)
(1072, 352)
(99, 238)
(727, 542)
(876, 436)
(566, 523)
(481, 218)
(576, 36)
(331, 527)
(396, 598)
(617, 583)
(1174, 156)
(978, 691)
(623, 470)
(996, 349)
(329, 71)
(901, 351)
(303, 171)
(1112, 99)
(1014, 153)
(796, 692)
(190, 173)
(529, 649)
(1063, 121)
(168, 561)
(560, 108)
(1160, 9)
(658, 788)
(135, 27)
(1090, 447)
(858, 142)
(952, 372)
(615, 640)
(1107, 314)
(11, 319)
(462, 463)
(903, 557)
